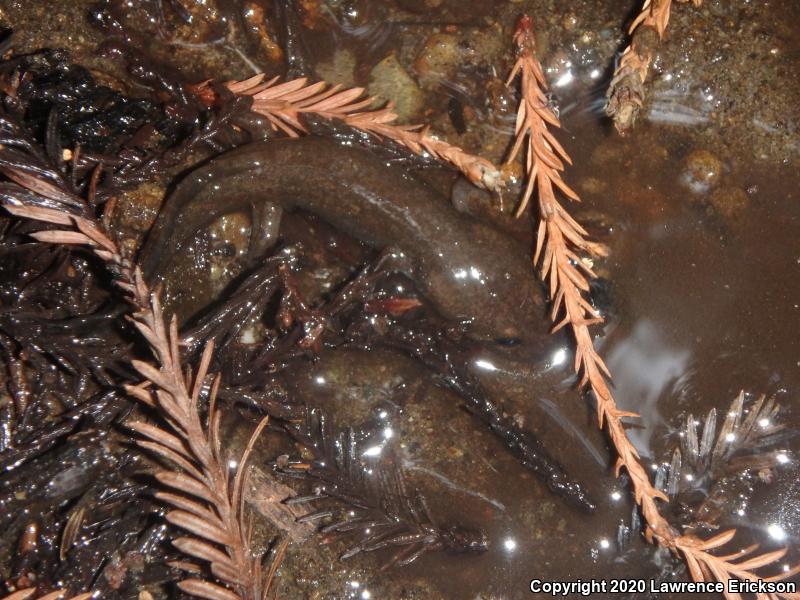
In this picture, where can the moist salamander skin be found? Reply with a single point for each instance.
(467, 269)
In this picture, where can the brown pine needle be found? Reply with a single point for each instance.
(626, 93)
(559, 245)
(283, 104)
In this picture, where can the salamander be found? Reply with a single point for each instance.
(466, 268)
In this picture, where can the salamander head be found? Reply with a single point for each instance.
(503, 302)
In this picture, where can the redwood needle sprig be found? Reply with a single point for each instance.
(626, 92)
(561, 246)
(282, 103)
(209, 503)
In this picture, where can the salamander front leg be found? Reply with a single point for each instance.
(266, 223)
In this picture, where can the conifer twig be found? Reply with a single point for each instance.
(209, 504)
(626, 91)
(560, 242)
(381, 510)
(283, 104)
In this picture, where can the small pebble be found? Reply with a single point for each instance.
(390, 81)
(454, 452)
(439, 59)
(702, 172)
(570, 20)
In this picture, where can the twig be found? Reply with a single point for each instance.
(380, 510)
(740, 445)
(283, 104)
(210, 505)
(560, 243)
(626, 91)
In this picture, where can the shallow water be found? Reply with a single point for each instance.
(702, 307)
(704, 303)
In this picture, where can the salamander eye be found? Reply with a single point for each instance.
(508, 341)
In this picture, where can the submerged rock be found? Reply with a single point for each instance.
(703, 171)
(390, 81)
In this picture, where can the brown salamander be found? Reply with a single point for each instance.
(466, 268)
